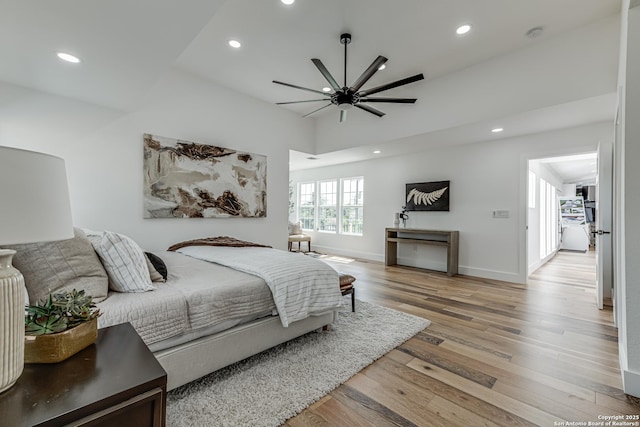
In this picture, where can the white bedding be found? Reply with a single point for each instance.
(301, 286)
(198, 299)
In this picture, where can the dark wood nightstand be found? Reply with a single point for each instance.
(114, 382)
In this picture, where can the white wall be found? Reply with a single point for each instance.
(542, 171)
(484, 177)
(103, 152)
(626, 225)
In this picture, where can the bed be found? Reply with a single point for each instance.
(208, 315)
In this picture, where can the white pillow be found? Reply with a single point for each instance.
(124, 262)
(295, 228)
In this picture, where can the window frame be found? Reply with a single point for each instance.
(320, 205)
(339, 206)
(548, 199)
(313, 205)
(356, 206)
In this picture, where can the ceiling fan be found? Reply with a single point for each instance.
(352, 96)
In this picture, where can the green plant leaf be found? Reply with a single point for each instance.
(46, 325)
(59, 312)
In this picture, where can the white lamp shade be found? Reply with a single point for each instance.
(34, 198)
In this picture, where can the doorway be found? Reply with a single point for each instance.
(568, 235)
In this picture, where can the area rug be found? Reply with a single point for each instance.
(271, 387)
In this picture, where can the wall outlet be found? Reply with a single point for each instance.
(501, 214)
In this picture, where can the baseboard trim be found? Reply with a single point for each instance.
(539, 263)
(631, 382)
(369, 256)
(504, 276)
(630, 379)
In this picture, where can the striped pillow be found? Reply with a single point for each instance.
(124, 262)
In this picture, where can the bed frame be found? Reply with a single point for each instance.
(194, 359)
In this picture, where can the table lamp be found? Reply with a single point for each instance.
(34, 207)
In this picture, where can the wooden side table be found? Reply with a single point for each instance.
(114, 382)
(444, 238)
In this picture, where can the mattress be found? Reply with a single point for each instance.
(198, 299)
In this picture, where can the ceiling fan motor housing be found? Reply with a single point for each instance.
(345, 98)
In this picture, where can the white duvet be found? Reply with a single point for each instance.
(301, 286)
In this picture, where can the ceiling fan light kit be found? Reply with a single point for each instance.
(346, 97)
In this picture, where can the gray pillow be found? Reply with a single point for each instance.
(61, 266)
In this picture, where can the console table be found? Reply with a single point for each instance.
(114, 382)
(448, 239)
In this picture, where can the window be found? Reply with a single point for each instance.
(553, 207)
(352, 205)
(328, 206)
(548, 218)
(333, 209)
(307, 211)
(543, 218)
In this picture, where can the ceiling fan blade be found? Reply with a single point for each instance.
(298, 102)
(327, 75)
(368, 73)
(302, 88)
(370, 109)
(343, 115)
(391, 85)
(393, 100)
(314, 111)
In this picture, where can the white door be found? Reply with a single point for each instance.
(604, 201)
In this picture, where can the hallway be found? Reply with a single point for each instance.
(576, 269)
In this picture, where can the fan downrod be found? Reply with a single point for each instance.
(345, 39)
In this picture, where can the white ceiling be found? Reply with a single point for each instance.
(578, 169)
(415, 35)
(126, 45)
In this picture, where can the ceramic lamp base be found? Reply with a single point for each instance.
(11, 321)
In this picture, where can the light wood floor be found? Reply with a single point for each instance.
(496, 353)
(577, 269)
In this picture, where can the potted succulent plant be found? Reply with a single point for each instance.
(59, 327)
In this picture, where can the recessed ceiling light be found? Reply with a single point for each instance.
(377, 152)
(234, 43)
(463, 29)
(382, 67)
(326, 89)
(496, 130)
(68, 57)
(288, 2)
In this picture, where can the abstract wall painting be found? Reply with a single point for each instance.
(428, 196)
(184, 179)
